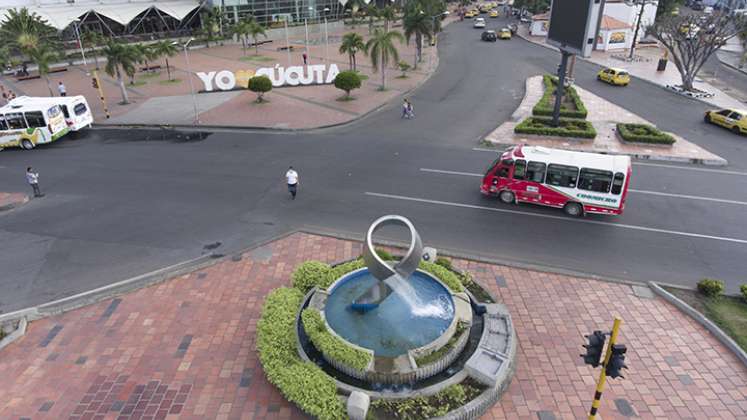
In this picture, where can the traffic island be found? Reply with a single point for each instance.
(9, 201)
(604, 116)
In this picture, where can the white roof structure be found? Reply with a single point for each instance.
(61, 13)
(615, 163)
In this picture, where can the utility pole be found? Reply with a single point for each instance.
(560, 88)
(643, 4)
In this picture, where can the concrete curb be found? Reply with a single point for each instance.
(11, 206)
(701, 319)
(19, 331)
(731, 66)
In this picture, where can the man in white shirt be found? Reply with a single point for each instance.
(33, 179)
(62, 89)
(292, 178)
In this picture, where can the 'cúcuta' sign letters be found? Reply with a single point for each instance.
(315, 74)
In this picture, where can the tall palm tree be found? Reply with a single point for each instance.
(92, 39)
(43, 56)
(351, 44)
(373, 13)
(415, 22)
(241, 30)
(389, 14)
(23, 31)
(120, 59)
(255, 30)
(381, 50)
(165, 49)
(146, 54)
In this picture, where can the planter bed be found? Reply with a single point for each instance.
(545, 105)
(569, 127)
(643, 133)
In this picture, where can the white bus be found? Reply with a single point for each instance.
(28, 125)
(74, 109)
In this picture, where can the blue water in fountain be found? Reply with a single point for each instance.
(418, 311)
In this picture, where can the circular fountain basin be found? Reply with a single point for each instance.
(411, 317)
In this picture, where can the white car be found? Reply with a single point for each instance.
(479, 23)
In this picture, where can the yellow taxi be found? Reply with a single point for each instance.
(733, 119)
(613, 76)
(504, 33)
(494, 13)
(472, 13)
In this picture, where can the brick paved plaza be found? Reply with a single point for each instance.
(185, 348)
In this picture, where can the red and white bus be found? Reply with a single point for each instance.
(577, 182)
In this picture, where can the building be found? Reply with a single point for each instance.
(614, 34)
(275, 12)
(539, 25)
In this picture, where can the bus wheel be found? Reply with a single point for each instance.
(27, 144)
(573, 209)
(506, 197)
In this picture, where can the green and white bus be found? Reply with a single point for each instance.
(27, 125)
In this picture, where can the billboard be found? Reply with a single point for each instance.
(573, 25)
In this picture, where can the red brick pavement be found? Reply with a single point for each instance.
(9, 200)
(185, 348)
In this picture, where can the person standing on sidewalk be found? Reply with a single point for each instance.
(305, 59)
(62, 89)
(33, 179)
(292, 177)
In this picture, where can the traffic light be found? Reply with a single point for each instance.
(617, 361)
(95, 83)
(594, 348)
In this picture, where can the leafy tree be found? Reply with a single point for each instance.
(381, 50)
(92, 39)
(533, 6)
(255, 29)
(691, 42)
(415, 22)
(43, 56)
(212, 24)
(260, 85)
(351, 44)
(23, 32)
(120, 59)
(666, 7)
(347, 81)
(165, 49)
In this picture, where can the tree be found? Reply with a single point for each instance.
(146, 54)
(165, 49)
(381, 50)
(92, 39)
(255, 30)
(120, 59)
(373, 13)
(23, 32)
(666, 7)
(351, 44)
(403, 67)
(389, 15)
(43, 56)
(260, 85)
(691, 42)
(533, 6)
(415, 22)
(212, 24)
(347, 81)
(241, 30)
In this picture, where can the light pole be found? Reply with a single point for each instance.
(642, 4)
(306, 29)
(326, 36)
(80, 44)
(435, 36)
(189, 75)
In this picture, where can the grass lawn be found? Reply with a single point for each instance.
(149, 75)
(256, 58)
(138, 83)
(728, 312)
(169, 82)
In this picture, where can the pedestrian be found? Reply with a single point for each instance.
(305, 59)
(33, 180)
(410, 112)
(62, 89)
(292, 178)
(405, 108)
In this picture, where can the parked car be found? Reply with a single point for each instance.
(494, 13)
(708, 10)
(479, 23)
(489, 36)
(614, 76)
(505, 33)
(733, 119)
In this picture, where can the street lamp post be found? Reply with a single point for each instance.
(642, 4)
(80, 44)
(435, 36)
(191, 83)
(326, 36)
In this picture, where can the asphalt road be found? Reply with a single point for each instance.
(122, 203)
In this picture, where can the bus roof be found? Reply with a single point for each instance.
(27, 103)
(38, 101)
(615, 163)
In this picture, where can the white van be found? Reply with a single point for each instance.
(27, 125)
(76, 111)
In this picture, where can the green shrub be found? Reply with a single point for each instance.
(440, 353)
(743, 289)
(310, 274)
(404, 66)
(337, 271)
(448, 277)
(568, 127)
(260, 85)
(347, 80)
(436, 405)
(329, 344)
(711, 287)
(302, 383)
(444, 262)
(546, 104)
(643, 133)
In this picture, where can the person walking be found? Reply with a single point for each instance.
(33, 179)
(405, 108)
(305, 59)
(292, 177)
(62, 89)
(410, 112)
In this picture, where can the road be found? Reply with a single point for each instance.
(122, 203)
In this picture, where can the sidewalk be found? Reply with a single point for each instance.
(186, 348)
(646, 69)
(12, 200)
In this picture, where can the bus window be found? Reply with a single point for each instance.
(562, 175)
(65, 111)
(617, 183)
(3, 124)
(53, 111)
(80, 109)
(520, 169)
(35, 119)
(536, 172)
(595, 180)
(15, 120)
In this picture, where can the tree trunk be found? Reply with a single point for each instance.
(243, 44)
(168, 68)
(418, 47)
(46, 79)
(383, 72)
(687, 82)
(125, 99)
(95, 58)
(350, 61)
(355, 64)
(256, 46)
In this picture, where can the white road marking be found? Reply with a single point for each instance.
(563, 218)
(658, 165)
(663, 194)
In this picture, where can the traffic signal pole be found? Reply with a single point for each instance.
(97, 84)
(603, 374)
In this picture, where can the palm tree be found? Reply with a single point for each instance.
(255, 30)
(165, 49)
(146, 54)
(241, 30)
(372, 12)
(389, 15)
(415, 22)
(380, 48)
(23, 31)
(92, 39)
(351, 44)
(43, 56)
(120, 58)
